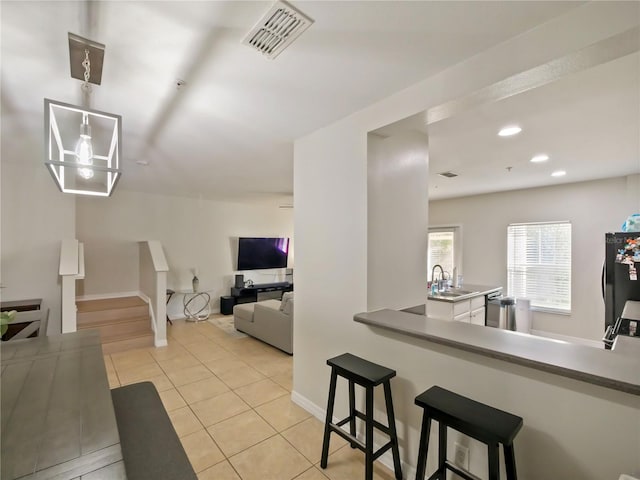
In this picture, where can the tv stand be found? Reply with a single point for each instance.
(253, 293)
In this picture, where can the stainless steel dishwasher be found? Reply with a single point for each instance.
(493, 309)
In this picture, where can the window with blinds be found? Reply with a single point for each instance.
(539, 264)
(442, 249)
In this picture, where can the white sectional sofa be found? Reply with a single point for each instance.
(269, 320)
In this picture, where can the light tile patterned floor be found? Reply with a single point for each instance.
(229, 401)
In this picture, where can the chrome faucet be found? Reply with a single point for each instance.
(433, 274)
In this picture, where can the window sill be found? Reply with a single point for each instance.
(554, 311)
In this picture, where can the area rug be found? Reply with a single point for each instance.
(225, 323)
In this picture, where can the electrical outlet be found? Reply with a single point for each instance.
(461, 456)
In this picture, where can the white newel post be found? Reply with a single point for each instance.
(153, 284)
(161, 308)
(69, 270)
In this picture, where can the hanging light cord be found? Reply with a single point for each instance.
(84, 148)
(86, 87)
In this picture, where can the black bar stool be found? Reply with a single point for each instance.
(477, 420)
(368, 375)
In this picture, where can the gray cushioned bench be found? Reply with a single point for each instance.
(151, 448)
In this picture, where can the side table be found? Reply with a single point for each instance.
(197, 305)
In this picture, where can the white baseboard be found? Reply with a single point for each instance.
(408, 471)
(182, 317)
(309, 406)
(104, 296)
(144, 297)
(569, 339)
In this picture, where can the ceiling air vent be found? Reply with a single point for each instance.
(448, 174)
(277, 29)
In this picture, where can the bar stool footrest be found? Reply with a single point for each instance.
(343, 421)
(348, 437)
(361, 416)
(377, 424)
(334, 427)
(381, 450)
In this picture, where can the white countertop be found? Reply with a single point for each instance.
(610, 369)
(625, 345)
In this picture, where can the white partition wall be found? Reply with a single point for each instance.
(572, 429)
(397, 222)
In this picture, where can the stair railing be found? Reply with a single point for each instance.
(71, 269)
(153, 285)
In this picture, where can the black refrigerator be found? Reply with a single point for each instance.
(620, 280)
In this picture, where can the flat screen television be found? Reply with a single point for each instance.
(261, 253)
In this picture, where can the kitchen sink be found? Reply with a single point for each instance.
(456, 292)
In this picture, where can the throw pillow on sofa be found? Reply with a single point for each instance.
(286, 306)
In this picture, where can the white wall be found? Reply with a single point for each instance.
(194, 234)
(36, 217)
(593, 208)
(633, 192)
(572, 429)
(397, 182)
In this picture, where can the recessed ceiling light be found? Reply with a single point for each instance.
(144, 163)
(559, 173)
(509, 130)
(543, 157)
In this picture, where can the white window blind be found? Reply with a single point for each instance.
(441, 250)
(539, 264)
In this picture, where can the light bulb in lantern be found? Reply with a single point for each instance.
(84, 149)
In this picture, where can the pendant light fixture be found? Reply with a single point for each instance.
(84, 149)
(87, 164)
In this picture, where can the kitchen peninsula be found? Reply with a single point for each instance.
(575, 399)
(579, 362)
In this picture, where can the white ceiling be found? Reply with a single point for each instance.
(228, 133)
(588, 123)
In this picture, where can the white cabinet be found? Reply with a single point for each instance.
(441, 310)
(477, 302)
(477, 316)
(470, 310)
